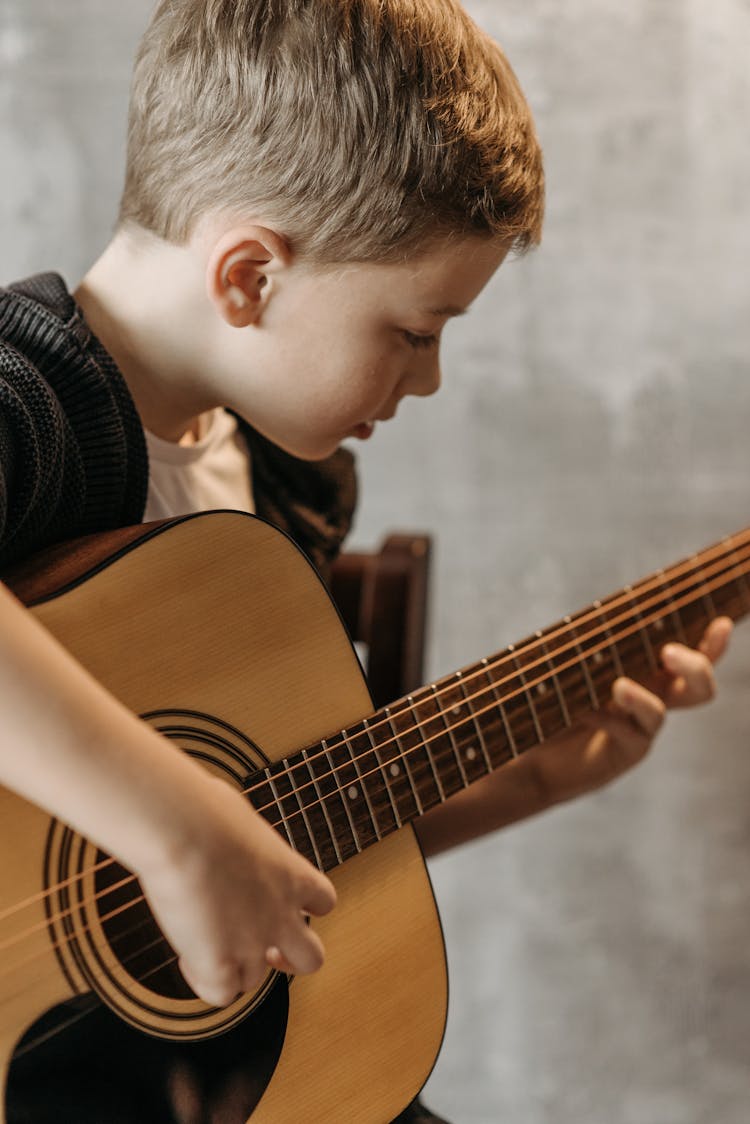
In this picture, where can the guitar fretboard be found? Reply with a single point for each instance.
(336, 798)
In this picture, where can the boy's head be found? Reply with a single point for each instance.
(365, 130)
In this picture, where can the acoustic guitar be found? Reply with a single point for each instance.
(215, 629)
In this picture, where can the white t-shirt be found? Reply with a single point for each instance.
(214, 472)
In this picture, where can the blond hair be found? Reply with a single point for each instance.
(363, 128)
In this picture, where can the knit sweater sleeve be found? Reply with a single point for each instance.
(72, 453)
(42, 487)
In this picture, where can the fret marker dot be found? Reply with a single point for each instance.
(456, 710)
(395, 770)
(598, 657)
(659, 626)
(352, 792)
(541, 689)
(471, 753)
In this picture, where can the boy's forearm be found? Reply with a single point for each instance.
(500, 799)
(69, 746)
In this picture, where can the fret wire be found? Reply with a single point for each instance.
(332, 794)
(560, 696)
(616, 661)
(448, 729)
(592, 692)
(642, 630)
(708, 600)
(741, 581)
(426, 744)
(277, 801)
(690, 601)
(692, 616)
(310, 833)
(355, 833)
(475, 723)
(441, 742)
(582, 657)
(411, 735)
(405, 760)
(546, 700)
(386, 782)
(674, 610)
(574, 691)
(695, 619)
(659, 626)
(324, 805)
(262, 799)
(470, 764)
(400, 780)
(684, 573)
(501, 709)
(375, 775)
(633, 655)
(529, 700)
(722, 601)
(357, 796)
(362, 784)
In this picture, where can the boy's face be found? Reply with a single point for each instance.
(335, 349)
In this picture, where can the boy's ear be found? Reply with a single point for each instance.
(240, 271)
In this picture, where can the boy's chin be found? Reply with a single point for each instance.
(312, 453)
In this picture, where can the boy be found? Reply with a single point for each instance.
(313, 188)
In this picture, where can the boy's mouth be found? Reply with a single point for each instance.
(364, 430)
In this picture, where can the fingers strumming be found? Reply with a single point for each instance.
(320, 896)
(302, 950)
(275, 959)
(218, 988)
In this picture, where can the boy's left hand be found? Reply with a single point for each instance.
(591, 753)
(609, 742)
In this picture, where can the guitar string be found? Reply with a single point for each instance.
(173, 958)
(535, 643)
(663, 578)
(96, 1002)
(547, 658)
(292, 815)
(617, 638)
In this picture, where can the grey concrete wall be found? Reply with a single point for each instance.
(592, 426)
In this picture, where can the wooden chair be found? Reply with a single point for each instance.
(382, 596)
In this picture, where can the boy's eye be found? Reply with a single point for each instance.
(415, 340)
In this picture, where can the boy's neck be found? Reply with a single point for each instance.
(139, 299)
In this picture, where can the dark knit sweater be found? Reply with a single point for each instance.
(73, 456)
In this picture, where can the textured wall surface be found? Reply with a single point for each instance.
(592, 426)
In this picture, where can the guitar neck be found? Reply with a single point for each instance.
(336, 798)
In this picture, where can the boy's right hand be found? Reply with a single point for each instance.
(232, 897)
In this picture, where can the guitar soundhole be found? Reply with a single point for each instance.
(128, 1049)
(132, 933)
(80, 1064)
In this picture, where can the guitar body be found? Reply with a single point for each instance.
(217, 631)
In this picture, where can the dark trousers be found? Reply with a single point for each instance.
(417, 1113)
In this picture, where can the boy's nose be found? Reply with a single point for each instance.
(425, 379)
